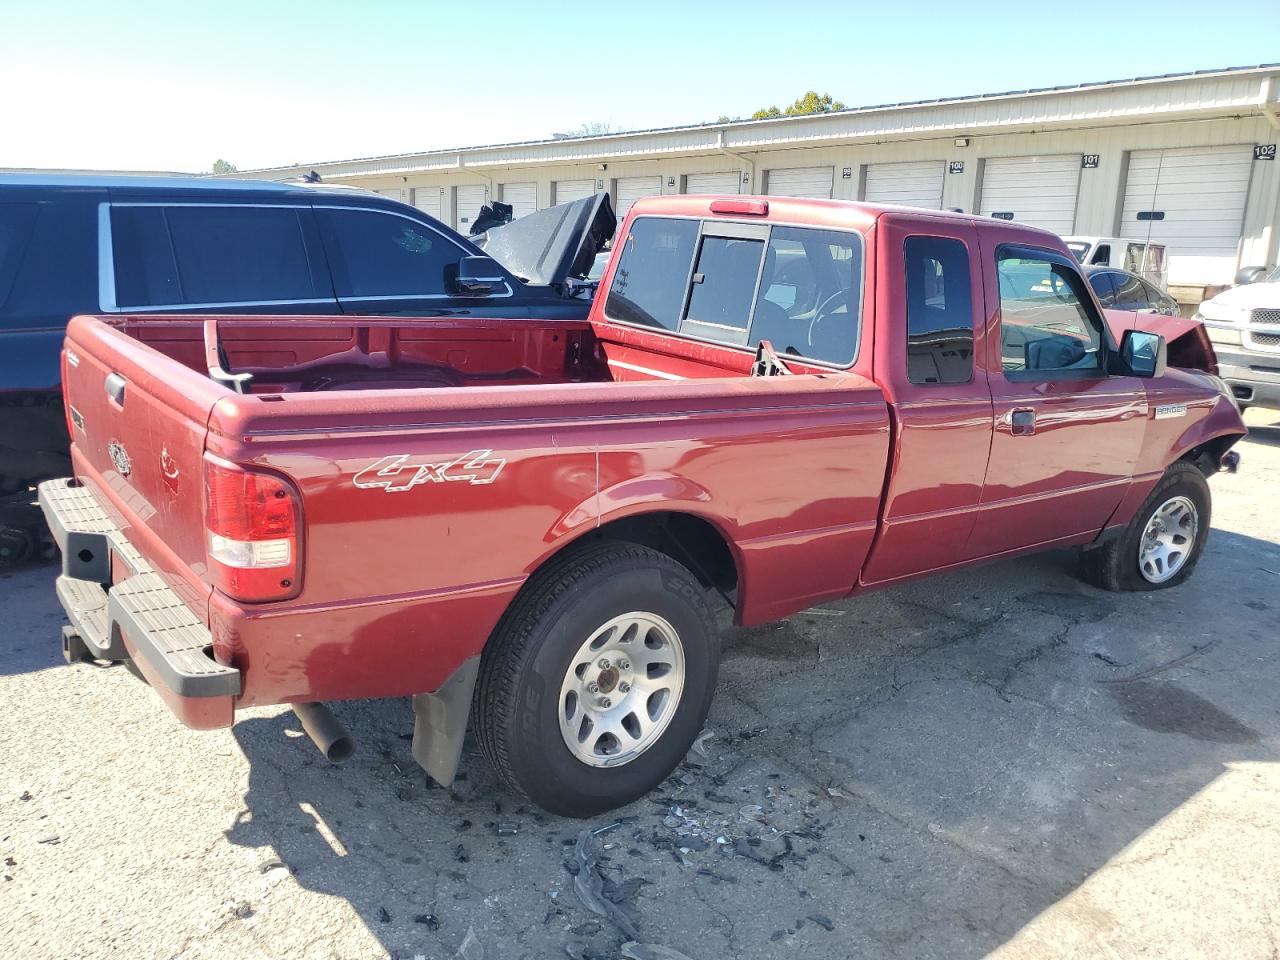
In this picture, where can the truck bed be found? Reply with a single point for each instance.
(324, 353)
(370, 418)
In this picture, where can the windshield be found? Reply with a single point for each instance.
(1273, 276)
(1079, 250)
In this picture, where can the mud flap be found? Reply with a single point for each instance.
(440, 723)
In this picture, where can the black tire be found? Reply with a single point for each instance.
(515, 711)
(1114, 566)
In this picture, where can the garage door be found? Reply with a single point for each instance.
(631, 189)
(1040, 191)
(523, 198)
(467, 202)
(427, 199)
(1192, 200)
(801, 182)
(566, 190)
(396, 193)
(908, 184)
(728, 181)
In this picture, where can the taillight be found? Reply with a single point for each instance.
(253, 522)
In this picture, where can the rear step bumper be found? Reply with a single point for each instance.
(138, 618)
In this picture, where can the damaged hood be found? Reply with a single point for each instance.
(553, 245)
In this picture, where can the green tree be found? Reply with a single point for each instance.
(811, 102)
(225, 166)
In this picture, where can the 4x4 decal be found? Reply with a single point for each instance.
(395, 474)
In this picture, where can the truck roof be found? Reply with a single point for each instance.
(160, 184)
(809, 210)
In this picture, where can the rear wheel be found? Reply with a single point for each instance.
(598, 678)
(1162, 543)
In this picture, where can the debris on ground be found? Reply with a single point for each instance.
(428, 920)
(588, 884)
(471, 948)
(651, 951)
(240, 909)
(700, 744)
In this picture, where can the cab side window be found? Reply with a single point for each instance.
(385, 255)
(1130, 294)
(1104, 285)
(939, 311)
(1047, 320)
(202, 255)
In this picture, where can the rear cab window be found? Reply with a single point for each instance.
(800, 288)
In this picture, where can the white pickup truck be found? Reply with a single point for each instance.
(1244, 325)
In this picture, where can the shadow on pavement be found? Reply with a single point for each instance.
(920, 771)
(33, 620)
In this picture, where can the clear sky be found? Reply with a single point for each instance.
(145, 84)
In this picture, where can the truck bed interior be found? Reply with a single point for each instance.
(312, 354)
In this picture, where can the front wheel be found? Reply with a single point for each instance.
(1162, 543)
(598, 679)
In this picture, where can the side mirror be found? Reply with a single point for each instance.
(477, 277)
(1143, 353)
(1250, 275)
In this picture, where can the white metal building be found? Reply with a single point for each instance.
(1188, 160)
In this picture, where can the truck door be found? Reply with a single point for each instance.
(1067, 434)
(929, 344)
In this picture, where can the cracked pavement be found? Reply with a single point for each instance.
(1002, 761)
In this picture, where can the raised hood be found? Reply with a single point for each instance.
(553, 245)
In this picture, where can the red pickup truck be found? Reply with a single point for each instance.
(521, 523)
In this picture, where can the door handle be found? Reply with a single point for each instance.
(1022, 423)
(114, 385)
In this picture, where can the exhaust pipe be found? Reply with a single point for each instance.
(325, 731)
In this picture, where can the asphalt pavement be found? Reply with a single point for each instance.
(1001, 762)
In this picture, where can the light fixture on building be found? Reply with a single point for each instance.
(604, 166)
(962, 141)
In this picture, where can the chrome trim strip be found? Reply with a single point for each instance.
(106, 261)
(151, 308)
(1268, 328)
(301, 205)
(107, 302)
(636, 368)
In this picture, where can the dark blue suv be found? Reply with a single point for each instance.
(101, 244)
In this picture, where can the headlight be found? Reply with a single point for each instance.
(1220, 331)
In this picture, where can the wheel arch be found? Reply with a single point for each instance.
(1207, 454)
(689, 538)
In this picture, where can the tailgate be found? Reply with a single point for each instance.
(138, 424)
